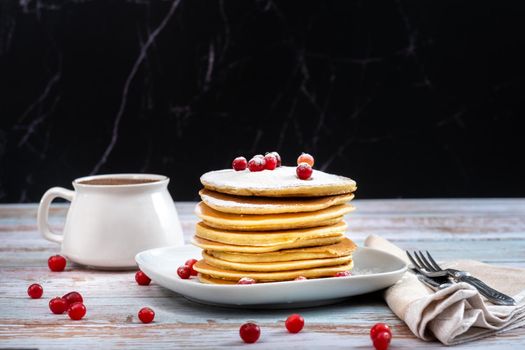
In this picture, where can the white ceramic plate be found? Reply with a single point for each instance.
(373, 270)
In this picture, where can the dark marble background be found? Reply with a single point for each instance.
(411, 98)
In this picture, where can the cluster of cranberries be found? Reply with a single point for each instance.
(186, 271)
(71, 302)
(381, 335)
(270, 161)
(305, 163)
(250, 332)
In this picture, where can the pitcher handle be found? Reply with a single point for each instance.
(43, 211)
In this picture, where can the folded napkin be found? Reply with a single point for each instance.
(458, 313)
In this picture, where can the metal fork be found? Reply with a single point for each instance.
(433, 283)
(427, 266)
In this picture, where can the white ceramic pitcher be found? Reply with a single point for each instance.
(112, 218)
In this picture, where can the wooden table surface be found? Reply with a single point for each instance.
(490, 230)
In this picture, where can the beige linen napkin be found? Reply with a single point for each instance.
(458, 313)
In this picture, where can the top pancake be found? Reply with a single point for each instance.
(281, 182)
(263, 205)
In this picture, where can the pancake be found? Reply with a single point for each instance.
(228, 221)
(267, 205)
(275, 266)
(312, 242)
(281, 182)
(232, 275)
(257, 238)
(344, 248)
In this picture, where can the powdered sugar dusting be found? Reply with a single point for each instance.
(280, 178)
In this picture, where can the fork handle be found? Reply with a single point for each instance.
(488, 292)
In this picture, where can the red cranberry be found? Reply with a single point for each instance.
(278, 157)
(190, 264)
(72, 297)
(305, 158)
(382, 340)
(239, 163)
(343, 274)
(35, 291)
(300, 278)
(250, 332)
(304, 171)
(257, 163)
(184, 272)
(378, 328)
(58, 305)
(270, 162)
(76, 311)
(246, 280)
(56, 263)
(294, 323)
(142, 279)
(146, 315)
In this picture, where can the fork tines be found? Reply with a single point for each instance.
(421, 262)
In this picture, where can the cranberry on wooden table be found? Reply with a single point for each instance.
(294, 323)
(146, 315)
(142, 279)
(58, 305)
(56, 263)
(377, 328)
(35, 291)
(250, 332)
(73, 297)
(382, 340)
(76, 311)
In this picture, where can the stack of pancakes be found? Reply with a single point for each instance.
(272, 226)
